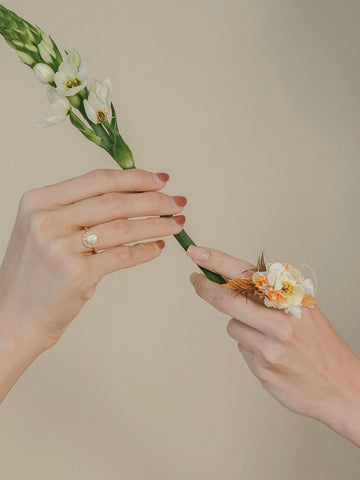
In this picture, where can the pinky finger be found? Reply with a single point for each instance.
(125, 256)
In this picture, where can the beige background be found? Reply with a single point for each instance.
(253, 108)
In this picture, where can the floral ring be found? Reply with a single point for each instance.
(91, 239)
(278, 285)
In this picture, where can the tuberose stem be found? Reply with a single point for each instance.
(183, 238)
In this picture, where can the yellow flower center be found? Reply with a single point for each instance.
(72, 82)
(288, 288)
(101, 116)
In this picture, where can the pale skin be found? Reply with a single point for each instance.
(47, 274)
(303, 363)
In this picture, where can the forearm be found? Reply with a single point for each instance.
(340, 409)
(344, 417)
(15, 358)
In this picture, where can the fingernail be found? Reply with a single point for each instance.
(179, 219)
(162, 177)
(198, 253)
(180, 201)
(160, 244)
(194, 277)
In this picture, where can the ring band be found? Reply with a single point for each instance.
(91, 239)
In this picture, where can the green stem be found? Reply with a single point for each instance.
(109, 133)
(185, 241)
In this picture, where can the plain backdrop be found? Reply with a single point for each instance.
(253, 108)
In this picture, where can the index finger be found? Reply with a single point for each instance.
(244, 309)
(219, 262)
(100, 181)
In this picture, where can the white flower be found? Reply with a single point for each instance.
(98, 105)
(43, 73)
(60, 107)
(69, 79)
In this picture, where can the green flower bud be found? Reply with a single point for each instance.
(74, 57)
(46, 52)
(75, 100)
(26, 58)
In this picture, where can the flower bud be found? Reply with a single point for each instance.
(46, 52)
(26, 58)
(43, 73)
(74, 57)
(75, 100)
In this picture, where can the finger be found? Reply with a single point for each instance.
(127, 231)
(248, 337)
(219, 262)
(98, 182)
(112, 206)
(246, 310)
(125, 256)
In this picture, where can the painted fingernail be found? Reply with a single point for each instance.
(162, 177)
(179, 219)
(160, 244)
(180, 201)
(194, 277)
(198, 253)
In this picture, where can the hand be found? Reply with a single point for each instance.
(303, 363)
(48, 274)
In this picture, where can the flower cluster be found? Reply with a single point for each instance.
(70, 91)
(87, 103)
(279, 285)
(283, 286)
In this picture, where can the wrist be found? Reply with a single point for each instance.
(342, 412)
(15, 357)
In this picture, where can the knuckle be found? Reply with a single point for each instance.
(285, 332)
(55, 249)
(272, 355)
(28, 200)
(39, 224)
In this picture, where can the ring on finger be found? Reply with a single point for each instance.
(91, 239)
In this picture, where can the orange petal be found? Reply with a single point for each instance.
(308, 301)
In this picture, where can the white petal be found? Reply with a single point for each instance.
(96, 101)
(92, 85)
(268, 303)
(83, 70)
(49, 122)
(74, 90)
(295, 310)
(60, 108)
(90, 111)
(108, 82)
(66, 71)
(308, 287)
(277, 267)
(54, 96)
